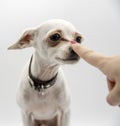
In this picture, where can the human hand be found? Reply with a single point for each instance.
(109, 65)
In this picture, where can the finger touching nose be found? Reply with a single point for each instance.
(92, 57)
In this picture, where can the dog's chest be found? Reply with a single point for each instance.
(44, 106)
(44, 109)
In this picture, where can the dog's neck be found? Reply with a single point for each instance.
(42, 69)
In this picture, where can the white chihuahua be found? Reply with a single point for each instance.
(43, 94)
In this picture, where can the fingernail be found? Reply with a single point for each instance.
(73, 42)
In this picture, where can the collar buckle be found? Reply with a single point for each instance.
(42, 90)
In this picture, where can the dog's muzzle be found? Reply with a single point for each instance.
(70, 57)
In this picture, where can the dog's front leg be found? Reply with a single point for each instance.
(63, 118)
(27, 119)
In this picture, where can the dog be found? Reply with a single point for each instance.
(43, 95)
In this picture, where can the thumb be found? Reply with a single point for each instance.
(113, 97)
(92, 57)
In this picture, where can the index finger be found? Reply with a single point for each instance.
(92, 57)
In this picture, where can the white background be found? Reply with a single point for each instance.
(98, 20)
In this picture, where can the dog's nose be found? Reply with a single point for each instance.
(71, 51)
(73, 54)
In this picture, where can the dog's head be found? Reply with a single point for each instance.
(52, 41)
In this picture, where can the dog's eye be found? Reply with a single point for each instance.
(79, 39)
(55, 37)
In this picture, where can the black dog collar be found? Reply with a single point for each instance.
(37, 84)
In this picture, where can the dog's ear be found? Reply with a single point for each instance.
(25, 41)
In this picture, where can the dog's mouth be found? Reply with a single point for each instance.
(69, 59)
